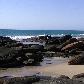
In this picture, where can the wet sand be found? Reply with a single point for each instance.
(50, 67)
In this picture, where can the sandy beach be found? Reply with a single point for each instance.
(61, 67)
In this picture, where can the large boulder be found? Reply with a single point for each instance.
(75, 45)
(12, 57)
(72, 40)
(77, 60)
(81, 75)
(65, 38)
(6, 41)
(19, 80)
(54, 40)
(12, 53)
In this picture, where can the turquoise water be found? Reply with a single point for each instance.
(8, 32)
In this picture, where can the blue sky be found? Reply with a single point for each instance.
(42, 14)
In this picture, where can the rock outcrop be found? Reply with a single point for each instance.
(75, 45)
(14, 54)
(77, 60)
(38, 80)
(81, 75)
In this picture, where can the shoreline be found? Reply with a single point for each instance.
(54, 57)
(53, 70)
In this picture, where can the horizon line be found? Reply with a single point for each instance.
(44, 29)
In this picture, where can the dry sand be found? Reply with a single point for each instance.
(50, 70)
(63, 69)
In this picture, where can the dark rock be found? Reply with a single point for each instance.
(33, 58)
(19, 80)
(39, 47)
(79, 59)
(81, 75)
(72, 40)
(65, 38)
(63, 77)
(38, 80)
(33, 48)
(53, 40)
(58, 40)
(46, 37)
(58, 81)
(6, 41)
(75, 45)
(52, 48)
(11, 57)
(73, 51)
(13, 53)
(45, 77)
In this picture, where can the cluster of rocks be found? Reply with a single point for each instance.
(66, 46)
(65, 43)
(76, 79)
(13, 53)
(18, 80)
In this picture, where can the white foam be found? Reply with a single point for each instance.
(42, 35)
(58, 35)
(19, 37)
(82, 34)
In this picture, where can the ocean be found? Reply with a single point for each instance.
(29, 33)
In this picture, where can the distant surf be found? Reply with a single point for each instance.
(32, 33)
